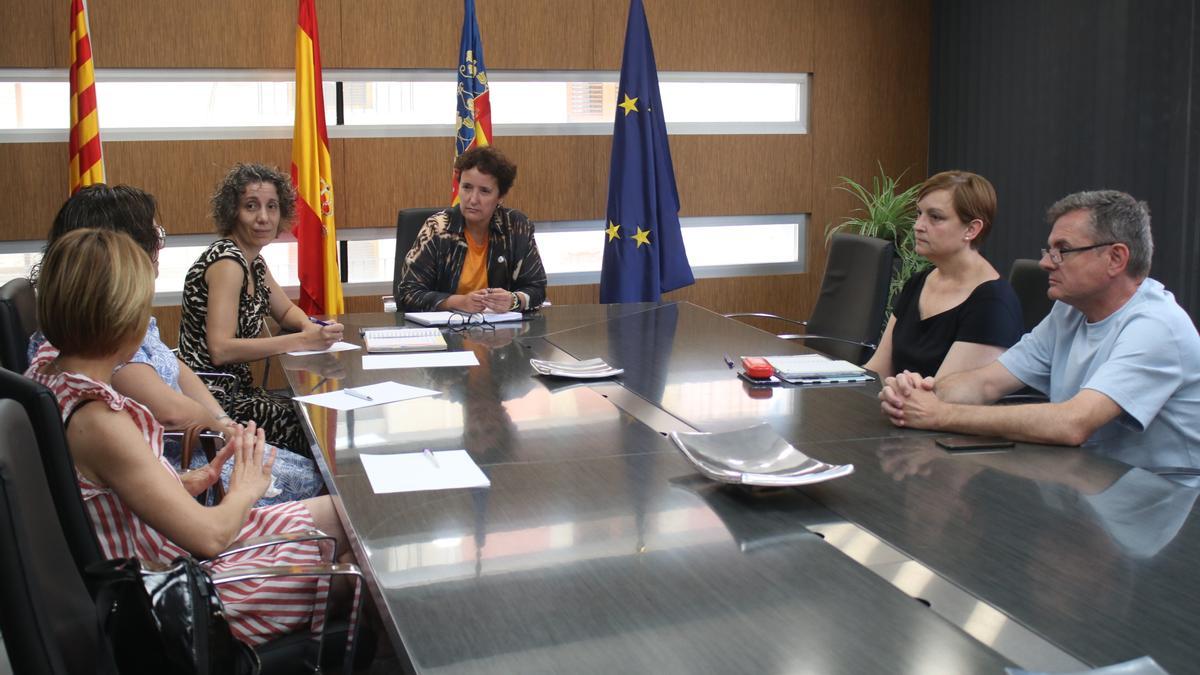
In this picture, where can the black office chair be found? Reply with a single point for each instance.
(408, 224)
(848, 318)
(46, 612)
(18, 321)
(1031, 282)
(295, 653)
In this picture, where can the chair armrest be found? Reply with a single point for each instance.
(764, 315)
(331, 571)
(276, 540)
(809, 336)
(1173, 470)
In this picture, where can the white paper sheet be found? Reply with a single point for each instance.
(419, 360)
(335, 347)
(384, 392)
(413, 471)
(443, 318)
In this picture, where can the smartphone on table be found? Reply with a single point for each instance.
(964, 443)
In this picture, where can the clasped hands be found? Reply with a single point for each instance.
(496, 299)
(908, 400)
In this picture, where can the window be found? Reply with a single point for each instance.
(195, 104)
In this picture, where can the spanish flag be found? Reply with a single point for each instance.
(474, 127)
(86, 162)
(320, 281)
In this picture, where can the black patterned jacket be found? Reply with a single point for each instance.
(435, 262)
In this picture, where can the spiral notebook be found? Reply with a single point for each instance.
(393, 340)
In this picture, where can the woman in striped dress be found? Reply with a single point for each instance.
(94, 305)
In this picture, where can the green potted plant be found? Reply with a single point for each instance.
(887, 213)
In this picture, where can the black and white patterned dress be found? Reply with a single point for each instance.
(275, 414)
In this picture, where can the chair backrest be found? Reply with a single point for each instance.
(41, 407)
(46, 613)
(408, 224)
(853, 298)
(18, 321)
(1031, 283)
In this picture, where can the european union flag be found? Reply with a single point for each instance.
(643, 247)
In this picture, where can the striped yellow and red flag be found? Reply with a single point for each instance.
(320, 280)
(474, 122)
(86, 161)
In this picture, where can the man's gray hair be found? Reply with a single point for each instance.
(1115, 216)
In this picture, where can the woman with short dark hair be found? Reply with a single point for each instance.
(960, 314)
(476, 256)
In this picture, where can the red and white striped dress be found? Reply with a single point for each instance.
(257, 610)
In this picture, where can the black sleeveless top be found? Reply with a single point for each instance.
(991, 315)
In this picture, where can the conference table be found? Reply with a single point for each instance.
(599, 548)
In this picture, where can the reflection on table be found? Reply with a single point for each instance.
(599, 548)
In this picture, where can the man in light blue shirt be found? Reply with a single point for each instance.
(1118, 358)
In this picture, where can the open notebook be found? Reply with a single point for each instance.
(393, 340)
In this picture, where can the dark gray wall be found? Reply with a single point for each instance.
(1047, 97)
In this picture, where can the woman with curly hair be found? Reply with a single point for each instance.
(228, 293)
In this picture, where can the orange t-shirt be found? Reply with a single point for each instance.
(474, 271)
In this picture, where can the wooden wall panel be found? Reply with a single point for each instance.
(383, 175)
(534, 34)
(182, 174)
(713, 35)
(870, 102)
(724, 175)
(404, 34)
(35, 191)
(210, 34)
(28, 26)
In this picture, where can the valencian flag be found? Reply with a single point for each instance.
(474, 128)
(643, 247)
(320, 281)
(86, 162)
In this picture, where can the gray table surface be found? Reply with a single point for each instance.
(599, 549)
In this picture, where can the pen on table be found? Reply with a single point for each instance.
(357, 394)
(728, 361)
(432, 460)
(318, 321)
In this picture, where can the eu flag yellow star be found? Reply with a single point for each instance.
(629, 104)
(642, 237)
(613, 231)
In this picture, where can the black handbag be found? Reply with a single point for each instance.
(166, 621)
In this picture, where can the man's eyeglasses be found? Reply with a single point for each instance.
(461, 321)
(1056, 254)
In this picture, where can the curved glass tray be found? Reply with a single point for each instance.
(754, 456)
(589, 369)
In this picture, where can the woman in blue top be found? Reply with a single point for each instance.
(155, 376)
(960, 314)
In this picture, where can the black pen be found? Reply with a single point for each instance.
(318, 321)
(729, 362)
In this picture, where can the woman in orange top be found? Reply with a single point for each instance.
(479, 255)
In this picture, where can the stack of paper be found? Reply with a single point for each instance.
(816, 369)
(392, 340)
